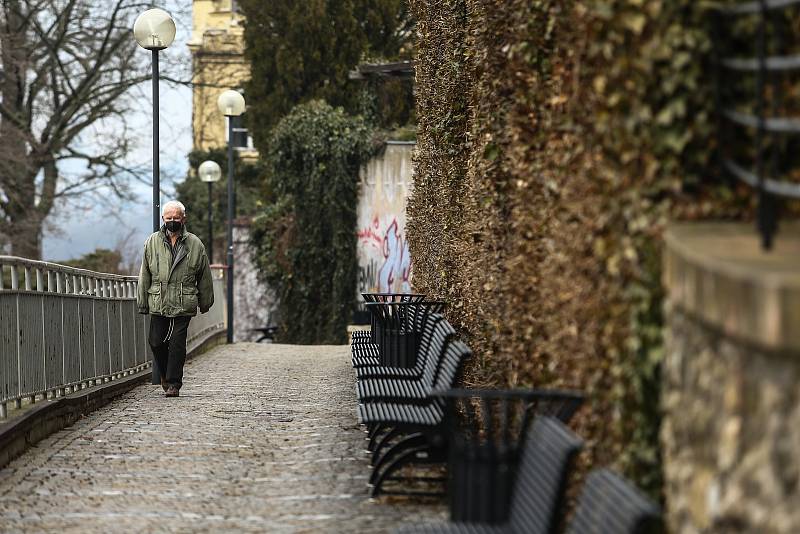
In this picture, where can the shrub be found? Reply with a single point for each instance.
(305, 243)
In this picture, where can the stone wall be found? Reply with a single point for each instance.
(383, 257)
(731, 377)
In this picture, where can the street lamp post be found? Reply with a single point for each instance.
(210, 172)
(231, 104)
(154, 30)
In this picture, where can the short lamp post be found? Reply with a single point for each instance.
(210, 172)
(154, 30)
(231, 104)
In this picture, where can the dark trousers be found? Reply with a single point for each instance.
(167, 339)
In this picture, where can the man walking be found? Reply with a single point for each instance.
(174, 281)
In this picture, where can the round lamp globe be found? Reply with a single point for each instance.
(231, 103)
(209, 171)
(154, 29)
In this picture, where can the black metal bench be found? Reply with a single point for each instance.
(268, 331)
(536, 504)
(387, 297)
(385, 384)
(487, 431)
(365, 353)
(436, 330)
(608, 504)
(410, 432)
(422, 433)
(400, 327)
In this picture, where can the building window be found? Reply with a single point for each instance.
(241, 137)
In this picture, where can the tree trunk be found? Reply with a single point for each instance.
(23, 223)
(25, 235)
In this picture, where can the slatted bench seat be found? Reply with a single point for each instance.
(382, 389)
(610, 504)
(366, 361)
(401, 414)
(378, 371)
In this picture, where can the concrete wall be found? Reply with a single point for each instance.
(383, 257)
(731, 379)
(254, 301)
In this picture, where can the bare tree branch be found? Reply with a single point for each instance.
(68, 67)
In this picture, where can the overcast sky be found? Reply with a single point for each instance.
(72, 232)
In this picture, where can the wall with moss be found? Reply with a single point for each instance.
(555, 139)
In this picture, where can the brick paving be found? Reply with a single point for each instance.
(262, 439)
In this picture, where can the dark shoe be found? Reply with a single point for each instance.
(164, 383)
(171, 392)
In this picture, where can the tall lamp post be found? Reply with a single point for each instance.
(210, 172)
(231, 104)
(154, 30)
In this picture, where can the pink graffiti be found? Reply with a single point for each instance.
(370, 235)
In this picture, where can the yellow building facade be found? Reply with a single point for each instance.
(218, 63)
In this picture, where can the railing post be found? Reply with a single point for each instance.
(14, 277)
(27, 278)
(39, 280)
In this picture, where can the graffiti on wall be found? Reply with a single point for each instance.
(383, 256)
(394, 273)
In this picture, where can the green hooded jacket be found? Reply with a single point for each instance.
(172, 286)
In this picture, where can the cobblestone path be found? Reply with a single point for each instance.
(262, 439)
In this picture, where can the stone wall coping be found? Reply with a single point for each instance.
(717, 272)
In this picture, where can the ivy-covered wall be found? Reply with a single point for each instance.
(555, 139)
(304, 242)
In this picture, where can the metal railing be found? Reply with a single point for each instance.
(206, 325)
(769, 67)
(64, 329)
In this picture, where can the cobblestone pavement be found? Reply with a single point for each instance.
(262, 439)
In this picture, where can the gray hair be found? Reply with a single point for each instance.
(174, 204)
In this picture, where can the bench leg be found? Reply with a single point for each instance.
(372, 431)
(414, 440)
(406, 458)
(375, 437)
(384, 441)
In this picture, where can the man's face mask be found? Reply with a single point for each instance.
(174, 226)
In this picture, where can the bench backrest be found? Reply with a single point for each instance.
(399, 327)
(453, 358)
(488, 430)
(549, 451)
(386, 297)
(434, 353)
(610, 504)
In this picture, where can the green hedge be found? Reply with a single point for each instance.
(305, 242)
(555, 139)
